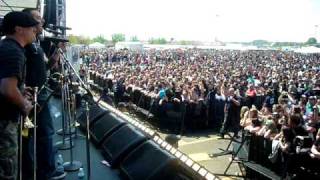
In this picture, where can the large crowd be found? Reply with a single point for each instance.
(272, 94)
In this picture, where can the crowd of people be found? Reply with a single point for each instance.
(270, 93)
(273, 95)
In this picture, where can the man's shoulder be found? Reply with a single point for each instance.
(9, 47)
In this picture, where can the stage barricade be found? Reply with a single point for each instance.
(197, 115)
(169, 112)
(258, 164)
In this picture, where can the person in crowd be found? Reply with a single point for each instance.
(255, 123)
(19, 29)
(232, 113)
(269, 100)
(244, 116)
(251, 95)
(286, 138)
(270, 130)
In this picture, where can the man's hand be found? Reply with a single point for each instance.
(27, 93)
(27, 107)
(9, 89)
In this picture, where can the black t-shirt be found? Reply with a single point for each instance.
(300, 131)
(270, 101)
(233, 109)
(12, 64)
(36, 75)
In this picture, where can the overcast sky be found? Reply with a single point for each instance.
(205, 20)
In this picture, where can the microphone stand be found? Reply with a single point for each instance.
(72, 165)
(21, 122)
(87, 142)
(82, 84)
(62, 145)
(35, 133)
(65, 61)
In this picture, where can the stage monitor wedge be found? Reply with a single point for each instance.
(149, 162)
(120, 143)
(104, 127)
(95, 113)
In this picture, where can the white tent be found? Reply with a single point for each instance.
(129, 45)
(16, 5)
(309, 49)
(97, 45)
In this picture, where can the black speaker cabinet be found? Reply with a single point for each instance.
(120, 143)
(149, 162)
(104, 127)
(95, 112)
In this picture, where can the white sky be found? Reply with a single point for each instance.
(227, 20)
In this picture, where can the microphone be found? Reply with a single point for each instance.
(56, 39)
(58, 27)
(53, 31)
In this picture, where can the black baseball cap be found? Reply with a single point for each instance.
(17, 18)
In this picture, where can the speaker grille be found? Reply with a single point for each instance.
(120, 143)
(104, 127)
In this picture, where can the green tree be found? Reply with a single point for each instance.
(84, 40)
(157, 41)
(73, 39)
(118, 37)
(186, 42)
(311, 40)
(100, 39)
(134, 39)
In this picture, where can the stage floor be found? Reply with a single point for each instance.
(99, 171)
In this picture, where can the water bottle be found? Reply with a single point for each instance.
(60, 167)
(81, 173)
(60, 160)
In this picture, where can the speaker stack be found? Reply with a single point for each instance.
(95, 113)
(121, 143)
(104, 127)
(139, 156)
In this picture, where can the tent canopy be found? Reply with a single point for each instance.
(309, 49)
(97, 45)
(16, 5)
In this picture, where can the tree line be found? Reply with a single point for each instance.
(119, 37)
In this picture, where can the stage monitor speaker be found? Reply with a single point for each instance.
(120, 143)
(95, 113)
(104, 127)
(149, 162)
